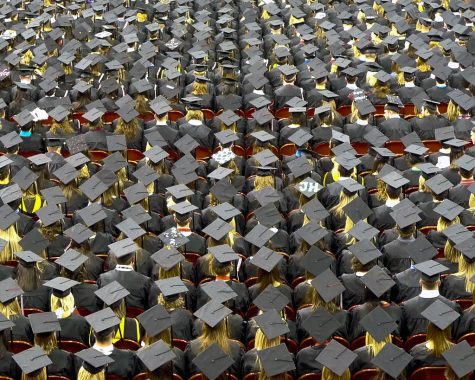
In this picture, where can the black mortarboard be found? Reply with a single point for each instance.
(136, 193)
(111, 293)
(363, 230)
(320, 324)
(268, 215)
(327, 285)
(217, 229)
(10, 193)
(66, 173)
(312, 232)
(315, 210)
(8, 216)
(25, 178)
(347, 160)
(5, 323)
(357, 210)
(308, 187)
(34, 241)
(225, 211)
(213, 361)
(23, 118)
(168, 257)
(61, 286)
(438, 184)
(32, 360)
(53, 195)
(94, 361)
(262, 136)
(430, 270)
(272, 324)
(457, 233)
(259, 235)
(173, 237)
(440, 314)
(420, 250)
(9, 289)
(49, 214)
(102, 320)
(155, 320)
(460, 358)
(300, 137)
(378, 281)
(467, 249)
(44, 322)
(223, 253)
(212, 313)
(276, 360)
(299, 166)
(392, 360)
(266, 259)
(448, 209)
(11, 139)
(93, 187)
(445, 133)
(218, 291)
(405, 216)
(116, 143)
(172, 286)
(365, 251)
(156, 355)
(315, 261)
(123, 247)
(131, 229)
(378, 323)
(271, 298)
(71, 260)
(336, 357)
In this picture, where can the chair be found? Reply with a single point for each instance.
(175, 115)
(469, 337)
(82, 311)
(97, 155)
(442, 108)
(18, 346)
(109, 117)
(144, 376)
(31, 310)
(310, 112)
(127, 344)
(429, 373)
(411, 189)
(149, 116)
(208, 114)
(72, 346)
(414, 340)
(111, 376)
(57, 377)
(255, 376)
(344, 110)
(426, 229)
(249, 113)
(202, 153)
(432, 145)
(250, 281)
(395, 146)
(79, 117)
(297, 280)
(464, 303)
(133, 312)
(358, 342)
(360, 147)
(409, 111)
(11, 263)
(179, 343)
(287, 150)
(5, 378)
(322, 149)
(290, 343)
(134, 155)
(239, 150)
(29, 153)
(200, 376)
(282, 113)
(379, 110)
(192, 257)
(366, 374)
(311, 376)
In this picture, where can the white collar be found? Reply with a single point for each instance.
(429, 293)
(258, 92)
(409, 84)
(394, 117)
(453, 65)
(105, 350)
(362, 122)
(352, 86)
(440, 85)
(194, 122)
(124, 268)
(392, 202)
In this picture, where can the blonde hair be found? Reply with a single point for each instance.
(444, 223)
(327, 374)
(194, 115)
(36, 376)
(141, 105)
(261, 182)
(172, 272)
(466, 271)
(345, 198)
(374, 346)
(199, 88)
(13, 243)
(438, 341)
(47, 342)
(453, 110)
(178, 303)
(65, 303)
(451, 253)
(130, 129)
(63, 127)
(217, 334)
(11, 309)
(84, 374)
(422, 65)
(382, 194)
(316, 300)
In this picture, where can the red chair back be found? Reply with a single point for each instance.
(57, 377)
(366, 374)
(208, 114)
(127, 344)
(11, 263)
(175, 115)
(360, 147)
(297, 280)
(31, 310)
(470, 338)
(432, 145)
(5, 378)
(395, 146)
(134, 155)
(322, 149)
(202, 153)
(82, 311)
(409, 111)
(429, 373)
(282, 113)
(111, 376)
(97, 155)
(149, 116)
(344, 110)
(414, 340)
(464, 303)
(192, 257)
(288, 150)
(179, 343)
(133, 312)
(239, 150)
(109, 117)
(72, 346)
(18, 346)
(311, 376)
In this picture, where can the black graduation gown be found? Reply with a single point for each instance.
(62, 363)
(395, 255)
(143, 291)
(354, 293)
(306, 362)
(412, 321)
(125, 363)
(423, 357)
(395, 128)
(407, 285)
(182, 327)
(74, 327)
(466, 323)
(234, 324)
(235, 352)
(8, 366)
(21, 330)
(453, 287)
(363, 360)
(85, 298)
(38, 298)
(239, 303)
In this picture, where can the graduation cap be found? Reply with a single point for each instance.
(271, 298)
(93, 360)
(365, 251)
(123, 247)
(378, 281)
(271, 324)
(276, 360)
(32, 360)
(308, 187)
(320, 324)
(225, 211)
(155, 320)
(213, 361)
(223, 253)
(312, 232)
(448, 209)
(218, 291)
(156, 355)
(357, 210)
(102, 320)
(405, 216)
(363, 230)
(111, 293)
(268, 215)
(45, 322)
(440, 314)
(9, 290)
(49, 214)
(5, 323)
(347, 160)
(315, 210)
(378, 323)
(259, 235)
(168, 257)
(11, 139)
(70, 260)
(173, 237)
(136, 193)
(212, 313)
(316, 261)
(266, 259)
(77, 144)
(460, 358)
(392, 360)
(34, 241)
(7, 216)
(467, 249)
(328, 285)
(336, 357)
(25, 178)
(430, 270)
(172, 286)
(438, 184)
(457, 233)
